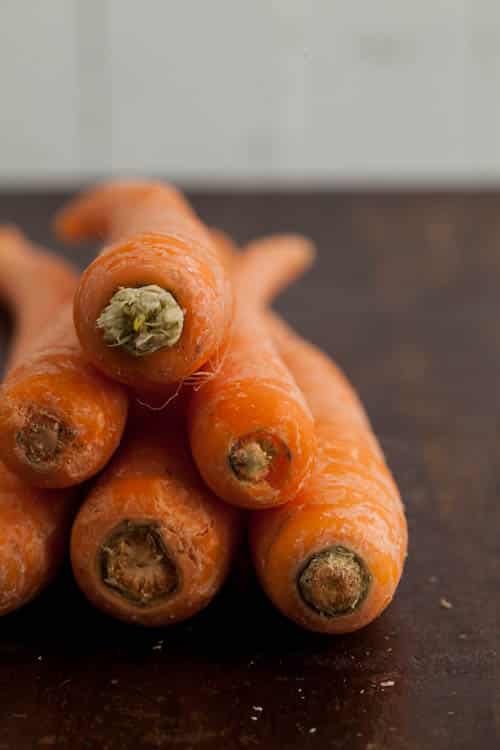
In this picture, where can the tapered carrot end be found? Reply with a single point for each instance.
(65, 227)
(334, 582)
(228, 251)
(13, 240)
(303, 247)
(285, 256)
(299, 250)
(83, 218)
(89, 215)
(11, 233)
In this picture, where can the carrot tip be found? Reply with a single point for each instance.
(334, 581)
(142, 320)
(136, 565)
(254, 457)
(43, 437)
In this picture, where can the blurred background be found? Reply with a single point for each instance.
(268, 92)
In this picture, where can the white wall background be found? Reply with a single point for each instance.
(321, 91)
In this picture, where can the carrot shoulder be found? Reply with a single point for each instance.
(332, 558)
(156, 304)
(34, 523)
(60, 419)
(251, 431)
(151, 545)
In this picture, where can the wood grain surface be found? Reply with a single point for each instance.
(405, 295)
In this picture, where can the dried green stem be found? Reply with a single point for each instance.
(334, 581)
(135, 563)
(142, 320)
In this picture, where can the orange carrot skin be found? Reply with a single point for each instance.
(34, 523)
(56, 379)
(152, 480)
(48, 377)
(108, 210)
(166, 262)
(23, 271)
(252, 391)
(156, 239)
(226, 248)
(34, 530)
(350, 500)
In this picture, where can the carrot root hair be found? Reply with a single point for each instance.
(141, 320)
(204, 375)
(135, 563)
(334, 581)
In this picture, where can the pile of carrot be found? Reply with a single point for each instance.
(154, 409)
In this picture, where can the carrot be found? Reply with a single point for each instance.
(34, 284)
(332, 558)
(151, 545)
(156, 304)
(60, 420)
(251, 432)
(227, 249)
(34, 531)
(34, 523)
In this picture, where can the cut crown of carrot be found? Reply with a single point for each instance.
(157, 303)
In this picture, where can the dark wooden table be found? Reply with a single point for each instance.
(406, 296)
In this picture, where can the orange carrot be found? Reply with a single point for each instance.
(34, 523)
(34, 531)
(60, 420)
(151, 545)
(227, 249)
(332, 558)
(156, 304)
(34, 284)
(251, 432)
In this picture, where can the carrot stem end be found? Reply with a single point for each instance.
(260, 457)
(250, 461)
(141, 320)
(334, 582)
(135, 563)
(43, 437)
